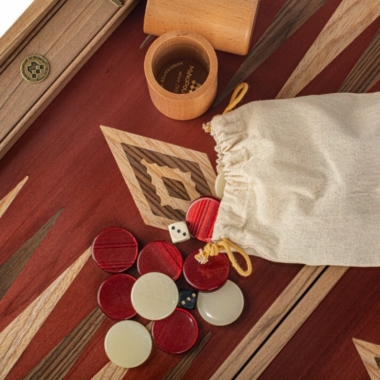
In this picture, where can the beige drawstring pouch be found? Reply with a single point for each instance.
(302, 179)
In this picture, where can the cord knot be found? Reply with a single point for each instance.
(213, 249)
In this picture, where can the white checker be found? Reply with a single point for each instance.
(223, 306)
(154, 296)
(128, 344)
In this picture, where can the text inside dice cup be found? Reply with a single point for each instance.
(155, 295)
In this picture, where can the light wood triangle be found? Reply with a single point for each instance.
(370, 354)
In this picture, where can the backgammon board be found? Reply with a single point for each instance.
(94, 159)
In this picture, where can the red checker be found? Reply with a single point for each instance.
(114, 297)
(209, 276)
(160, 256)
(114, 249)
(201, 216)
(177, 333)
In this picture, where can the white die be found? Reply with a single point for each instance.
(179, 232)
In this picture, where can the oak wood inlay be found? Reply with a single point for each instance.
(292, 323)
(17, 335)
(143, 162)
(14, 265)
(176, 189)
(180, 369)
(369, 353)
(350, 19)
(292, 15)
(149, 168)
(59, 361)
(111, 371)
(366, 72)
(268, 322)
(8, 199)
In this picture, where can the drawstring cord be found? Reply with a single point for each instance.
(213, 249)
(236, 97)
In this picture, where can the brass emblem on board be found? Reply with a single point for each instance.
(35, 68)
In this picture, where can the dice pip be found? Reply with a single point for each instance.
(179, 232)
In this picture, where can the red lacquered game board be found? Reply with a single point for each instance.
(298, 322)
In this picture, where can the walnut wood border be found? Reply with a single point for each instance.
(26, 27)
(25, 111)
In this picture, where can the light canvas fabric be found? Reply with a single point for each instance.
(302, 179)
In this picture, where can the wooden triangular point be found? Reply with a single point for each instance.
(370, 354)
(8, 199)
(19, 333)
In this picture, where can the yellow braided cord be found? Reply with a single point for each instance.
(207, 127)
(236, 97)
(213, 249)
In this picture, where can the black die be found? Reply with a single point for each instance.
(187, 298)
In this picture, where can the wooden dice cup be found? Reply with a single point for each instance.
(174, 45)
(226, 25)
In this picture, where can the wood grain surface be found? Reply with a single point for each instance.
(59, 361)
(268, 323)
(348, 21)
(145, 163)
(366, 72)
(182, 106)
(70, 165)
(292, 15)
(85, 25)
(291, 324)
(8, 199)
(227, 26)
(31, 34)
(180, 369)
(24, 26)
(370, 354)
(15, 264)
(18, 334)
(111, 371)
(325, 339)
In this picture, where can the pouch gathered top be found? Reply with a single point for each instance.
(302, 179)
